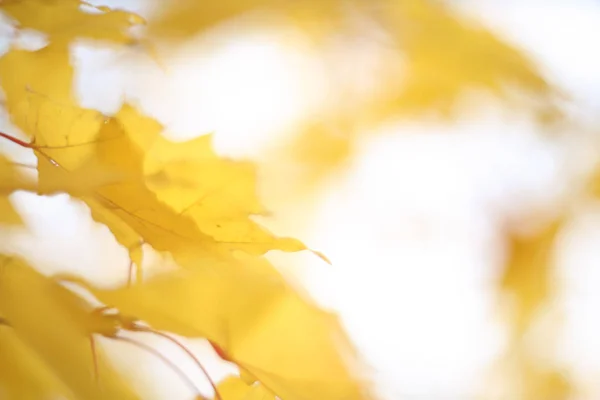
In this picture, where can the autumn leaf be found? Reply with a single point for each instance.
(185, 18)
(71, 141)
(527, 282)
(24, 74)
(233, 388)
(434, 57)
(218, 194)
(76, 142)
(55, 324)
(447, 54)
(8, 215)
(10, 180)
(256, 319)
(23, 374)
(66, 20)
(527, 276)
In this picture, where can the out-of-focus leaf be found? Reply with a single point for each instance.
(56, 324)
(527, 279)
(65, 20)
(23, 375)
(447, 54)
(184, 18)
(233, 388)
(10, 181)
(293, 348)
(83, 182)
(527, 275)
(546, 384)
(44, 108)
(8, 215)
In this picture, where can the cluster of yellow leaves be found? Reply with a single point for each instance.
(179, 198)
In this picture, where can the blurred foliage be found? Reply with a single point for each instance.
(184, 200)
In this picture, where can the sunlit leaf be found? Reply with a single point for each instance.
(55, 323)
(184, 18)
(292, 347)
(527, 277)
(218, 194)
(233, 388)
(23, 374)
(447, 54)
(84, 143)
(65, 20)
(10, 181)
(528, 283)
(45, 109)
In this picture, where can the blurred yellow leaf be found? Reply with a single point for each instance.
(184, 18)
(43, 108)
(447, 54)
(10, 181)
(546, 384)
(432, 58)
(23, 375)
(528, 281)
(64, 20)
(55, 323)
(233, 388)
(292, 347)
(8, 215)
(527, 276)
(80, 183)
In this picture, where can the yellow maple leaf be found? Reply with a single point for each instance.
(55, 324)
(82, 182)
(217, 193)
(10, 181)
(68, 139)
(185, 18)
(65, 20)
(528, 273)
(527, 281)
(46, 109)
(433, 57)
(233, 388)
(23, 374)
(447, 54)
(256, 320)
